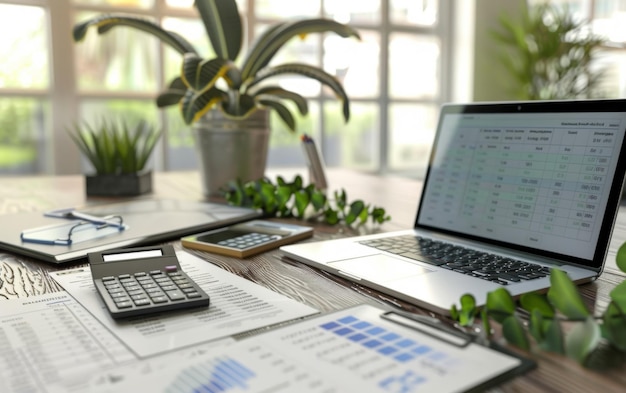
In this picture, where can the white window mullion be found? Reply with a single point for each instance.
(64, 99)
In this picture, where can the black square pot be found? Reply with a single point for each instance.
(126, 184)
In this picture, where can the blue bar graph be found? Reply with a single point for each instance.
(215, 376)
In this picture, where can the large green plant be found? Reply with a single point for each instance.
(558, 321)
(550, 54)
(196, 89)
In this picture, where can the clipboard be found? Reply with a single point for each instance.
(427, 354)
(359, 349)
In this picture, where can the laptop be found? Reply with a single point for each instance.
(511, 190)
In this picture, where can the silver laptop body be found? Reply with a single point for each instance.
(537, 183)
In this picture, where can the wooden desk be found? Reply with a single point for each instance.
(22, 277)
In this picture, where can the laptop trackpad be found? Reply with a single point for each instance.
(379, 268)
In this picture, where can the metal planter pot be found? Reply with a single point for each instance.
(231, 149)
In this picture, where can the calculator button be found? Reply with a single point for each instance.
(159, 299)
(123, 276)
(137, 292)
(140, 274)
(187, 290)
(169, 287)
(108, 278)
(149, 286)
(171, 268)
(124, 304)
(116, 295)
(152, 291)
(139, 297)
(186, 285)
(175, 295)
(193, 295)
(155, 272)
(121, 299)
(113, 292)
(142, 302)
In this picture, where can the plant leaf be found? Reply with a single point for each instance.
(331, 216)
(223, 25)
(564, 296)
(318, 199)
(173, 94)
(513, 331)
(485, 320)
(552, 336)
(302, 201)
(500, 304)
(615, 326)
(274, 38)
(283, 112)
(618, 295)
(532, 302)
(620, 258)
(106, 22)
(202, 74)
(279, 93)
(310, 72)
(468, 310)
(582, 340)
(194, 106)
(356, 208)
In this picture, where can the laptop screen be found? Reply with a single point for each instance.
(543, 177)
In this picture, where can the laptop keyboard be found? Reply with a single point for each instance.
(491, 267)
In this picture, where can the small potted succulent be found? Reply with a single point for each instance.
(118, 153)
(228, 104)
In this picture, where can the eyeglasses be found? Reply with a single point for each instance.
(74, 232)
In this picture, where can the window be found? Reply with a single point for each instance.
(393, 76)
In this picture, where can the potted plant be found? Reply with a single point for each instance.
(228, 104)
(119, 154)
(551, 54)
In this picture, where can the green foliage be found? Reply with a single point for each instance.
(294, 199)
(242, 89)
(547, 312)
(550, 54)
(114, 148)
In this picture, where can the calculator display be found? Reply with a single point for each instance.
(132, 255)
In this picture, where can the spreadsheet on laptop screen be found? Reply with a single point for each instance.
(541, 180)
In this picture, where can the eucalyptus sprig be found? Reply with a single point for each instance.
(547, 313)
(294, 199)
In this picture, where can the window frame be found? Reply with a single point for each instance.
(65, 98)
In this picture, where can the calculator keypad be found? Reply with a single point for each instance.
(248, 240)
(154, 290)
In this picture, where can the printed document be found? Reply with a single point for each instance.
(354, 350)
(237, 305)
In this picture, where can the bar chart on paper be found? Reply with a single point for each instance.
(214, 376)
